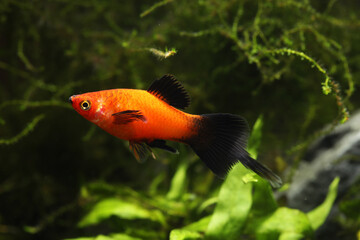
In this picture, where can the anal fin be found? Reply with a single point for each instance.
(159, 143)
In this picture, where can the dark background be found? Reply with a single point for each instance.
(225, 58)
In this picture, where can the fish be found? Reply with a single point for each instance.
(149, 118)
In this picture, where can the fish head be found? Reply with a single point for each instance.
(89, 105)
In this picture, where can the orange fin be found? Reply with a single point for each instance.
(128, 116)
(170, 91)
(141, 151)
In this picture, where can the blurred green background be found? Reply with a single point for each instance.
(295, 63)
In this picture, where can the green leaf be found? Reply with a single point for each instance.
(291, 236)
(255, 138)
(183, 234)
(318, 216)
(206, 204)
(233, 206)
(249, 177)
(153, 188)
(117, 207)
(264, 202)
(120, 236)
(81, 238)
(192, 231)
(178, 183)
(200, 225)
(284, 222)
(117, 236)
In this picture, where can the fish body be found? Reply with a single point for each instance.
(148, 118)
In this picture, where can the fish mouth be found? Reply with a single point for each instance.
(70, 100)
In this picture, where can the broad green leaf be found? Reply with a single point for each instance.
(233, 206)
(291, 236)
(318, 216)
(263, 198)
(183, 234)
(120, 236)
(179, 181)
(117, 207)
(255, 138)
(81, 238)
(117, 236)
(200, 225)
(284, 222)
(193, 231)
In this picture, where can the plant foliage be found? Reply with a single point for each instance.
(293, 62)
(242, 209)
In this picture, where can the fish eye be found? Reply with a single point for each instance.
(85, 105)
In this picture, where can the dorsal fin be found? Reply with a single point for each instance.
(168, 89)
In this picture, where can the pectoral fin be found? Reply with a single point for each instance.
(128, 116)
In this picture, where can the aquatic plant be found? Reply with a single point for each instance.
(245, 206)
(293, 62)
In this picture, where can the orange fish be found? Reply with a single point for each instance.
(147, 118)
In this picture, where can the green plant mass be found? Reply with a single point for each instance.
(294, 63)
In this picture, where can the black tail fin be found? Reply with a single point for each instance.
(221, 143)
